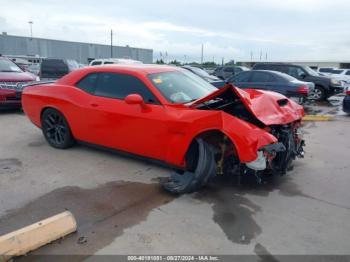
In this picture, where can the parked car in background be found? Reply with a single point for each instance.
(34, 69)
(109, 61)
(55, 68)
(167, 113)
(324, 86)
(215, 81)
(12, 81)
(346, 102)
(343, 75)
(325, 70)
(225, 72)
(273, 81)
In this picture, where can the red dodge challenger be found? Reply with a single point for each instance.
(170, 115)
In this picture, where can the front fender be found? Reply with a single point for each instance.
(246, 137)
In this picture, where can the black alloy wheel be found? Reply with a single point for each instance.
(56, 129)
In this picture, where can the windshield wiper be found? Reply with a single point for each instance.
(8, 71)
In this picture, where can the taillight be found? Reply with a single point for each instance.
(303, 90)
(348, 92)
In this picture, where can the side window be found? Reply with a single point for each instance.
(348, 73)
(121, 85)
(261, 77)
(295, 71)
(88, 83)
(108, 63)
(237, 70)
(241, 77)
(96, 63)
(278, 68)
(229, 69)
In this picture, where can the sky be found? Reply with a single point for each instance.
(276, 30)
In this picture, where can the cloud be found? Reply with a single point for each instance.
(286, 30)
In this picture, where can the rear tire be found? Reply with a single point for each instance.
(318, 94)
(201, 166)
(56, 129)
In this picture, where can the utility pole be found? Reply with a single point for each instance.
(266, 56)
(111, 43)
(202, 54)
(222, 61)
(251, 56)
(31, 29)
(260, 55)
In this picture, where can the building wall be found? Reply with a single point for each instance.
(81, 52)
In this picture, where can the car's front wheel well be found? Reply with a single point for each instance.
(221, 145)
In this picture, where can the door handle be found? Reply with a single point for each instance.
(94, 105)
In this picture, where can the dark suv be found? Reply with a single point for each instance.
(225, 72)
(324, 86)
(54, 68)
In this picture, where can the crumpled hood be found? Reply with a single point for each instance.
(269, 107)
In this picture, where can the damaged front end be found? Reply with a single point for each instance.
(270, 117)
(277, 158)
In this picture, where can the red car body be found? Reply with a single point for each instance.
(161, 131)
(11, 85)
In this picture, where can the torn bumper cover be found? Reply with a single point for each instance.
(267, 153)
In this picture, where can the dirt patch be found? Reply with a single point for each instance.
(102, 214)
(9, 165)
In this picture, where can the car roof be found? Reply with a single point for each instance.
(275, 63)
(140, 69)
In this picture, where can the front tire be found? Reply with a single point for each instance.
(200, 167)
(56, 129)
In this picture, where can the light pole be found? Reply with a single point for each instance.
(111, 43)
(31, 28)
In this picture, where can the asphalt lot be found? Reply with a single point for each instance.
(121, 209)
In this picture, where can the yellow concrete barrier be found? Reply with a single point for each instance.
(31, 237)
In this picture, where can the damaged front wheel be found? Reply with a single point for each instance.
(200, 167)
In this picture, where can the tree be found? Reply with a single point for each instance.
(231, 62)
(160, 61)
(175, 62)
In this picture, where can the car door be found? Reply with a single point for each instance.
(113, 123)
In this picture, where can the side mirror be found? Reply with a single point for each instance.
(134, 99)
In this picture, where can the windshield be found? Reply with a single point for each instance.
(310, 71)
(337, 71)
(8, 66)
(181, 86)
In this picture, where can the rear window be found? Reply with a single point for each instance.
(229, 69)
(53, 68)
